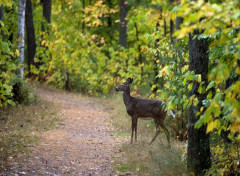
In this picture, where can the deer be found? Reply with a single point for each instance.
(145, 109)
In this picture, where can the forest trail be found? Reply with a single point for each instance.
(82, 143)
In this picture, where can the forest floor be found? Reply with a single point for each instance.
(91, 138)
(82, 144)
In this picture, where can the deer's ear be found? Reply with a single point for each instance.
(129, 80)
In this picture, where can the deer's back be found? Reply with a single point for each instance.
(149, 108)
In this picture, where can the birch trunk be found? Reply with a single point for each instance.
(21, 33)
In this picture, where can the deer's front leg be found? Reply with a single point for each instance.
(135, 122)
(134, 128)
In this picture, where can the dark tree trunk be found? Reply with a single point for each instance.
(109, 18)
(47, 15)
(198, 155)
(31, 42)
(47, 4)
(2, 19)
(123, 23)
(171, 30)
(178, 21)
(67, 80)
(165, 27)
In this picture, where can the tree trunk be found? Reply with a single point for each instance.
(123, 24)
(109, 18)
(21, 33)
(171, 30)
(67, 87)
(178, 21)
(165, 27)
(47, 15)
(2, 19)
(47, 4)
(31, 42)
(198, 155)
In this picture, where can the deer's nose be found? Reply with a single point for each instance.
(116, 89)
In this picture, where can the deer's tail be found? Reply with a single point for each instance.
(173, 113)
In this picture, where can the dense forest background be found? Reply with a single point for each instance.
(186, 53)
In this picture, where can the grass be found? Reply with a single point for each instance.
(20, 128)
(140, 158)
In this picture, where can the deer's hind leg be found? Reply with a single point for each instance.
(161, 123)
(157, 133)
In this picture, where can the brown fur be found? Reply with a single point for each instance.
(143, 108)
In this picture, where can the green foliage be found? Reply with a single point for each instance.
(225, 158)
(93, 59)
(22, 93)
(220, 25)
(83, 40)
(8, 53)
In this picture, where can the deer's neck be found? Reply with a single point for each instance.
(126, 97)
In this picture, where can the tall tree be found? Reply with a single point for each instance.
(123, 23)
(31, 41)
(109, 19)
(178, 22)
(21, 34)
(47, 6)
(171, 30)
(198, 154)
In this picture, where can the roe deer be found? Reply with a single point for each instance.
(145, 109)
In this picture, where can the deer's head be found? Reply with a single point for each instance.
(124, 86)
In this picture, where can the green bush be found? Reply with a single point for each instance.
(22, 93)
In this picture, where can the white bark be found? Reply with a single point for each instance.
(21, 33)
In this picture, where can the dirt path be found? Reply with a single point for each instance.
(81, 145)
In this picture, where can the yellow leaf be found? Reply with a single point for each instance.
(210, 126)
(42, 42)
(17, 53)
(216, 123)
(235, 127)
(199, 78)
